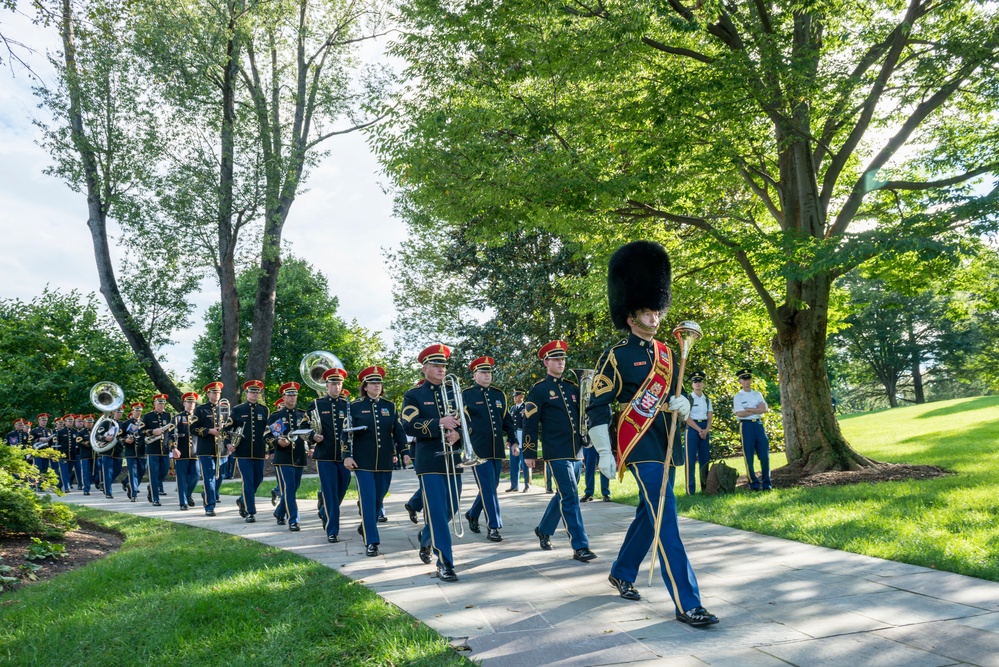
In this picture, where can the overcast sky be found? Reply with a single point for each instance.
(340, 225)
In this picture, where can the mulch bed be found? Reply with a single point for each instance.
(89, 543)
(791, 476)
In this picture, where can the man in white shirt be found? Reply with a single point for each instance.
(698, 444)
(749, 407)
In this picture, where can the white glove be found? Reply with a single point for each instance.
(682, 405)
(600, 437)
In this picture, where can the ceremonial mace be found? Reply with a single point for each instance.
(686, 333)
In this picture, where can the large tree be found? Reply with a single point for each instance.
(104, 143)
(792, 140)
(307, 321)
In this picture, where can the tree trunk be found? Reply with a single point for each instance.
(917, 374)
(266, 296)
(229, 354)
(97, 208)
(811, 433)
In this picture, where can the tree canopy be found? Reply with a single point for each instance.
(794, 142)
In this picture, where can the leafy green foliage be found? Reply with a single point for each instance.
(54, 348)
(40, 550)
(306, 321)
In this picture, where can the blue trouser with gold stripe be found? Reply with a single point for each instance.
(187, 478)
(440, 499)
(755, 441)
(209, 483)
(134, 475)
(289, 478)
(334, 478)
(487, 476)
(697, 455)
(590, 461)
(564, 505)
(252, 473)
(673, 562)
(371, 490)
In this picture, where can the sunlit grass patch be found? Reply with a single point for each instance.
(181, 595)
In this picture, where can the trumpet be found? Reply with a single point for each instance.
(468, 457)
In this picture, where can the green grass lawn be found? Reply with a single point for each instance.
(948, 523)
(177, 595)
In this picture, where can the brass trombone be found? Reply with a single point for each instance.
(468, 457)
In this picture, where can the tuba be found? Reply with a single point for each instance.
(314, 364)
(584, 378)
(106, 397)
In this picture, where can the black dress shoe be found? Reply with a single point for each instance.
(446, 573)
(332, 539)
(697, 617)
(183, 508)
(625, 588)
(280, 520)
(210, 513)
(124, 486)
(606, 499)
(274, 497)
(526, 489)
(545, 540)
(156, 503)
(190, 501)
(149, 494)
(587, 498)
(134, 499)
(473, 524)
(583, 555)
(372, 550)
(294, 527)
(251, 519)
(494, 535)
(511, 489)
(425, 555)
(382, 519)
(86, 493)
(109, 496)
(239, 504)
(549, 491)
(360, 529)
(412, 513)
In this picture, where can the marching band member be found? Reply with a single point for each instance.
(76, 449)
(639, 372)
(86, 453)
(133, 462)
(207, 429)
(376, 447)
(18, 436)
(276, 491)
(488, 420)
(330, 449)
(552, 409)
(62, 429)
(517, 465)
(428, 415)
(110, 459)
(291, 453)
(250, 419)
(41, 438)
(157, 424)
(183, 451)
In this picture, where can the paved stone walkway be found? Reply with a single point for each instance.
(780, 602)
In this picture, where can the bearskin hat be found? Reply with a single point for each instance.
(638, 276)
